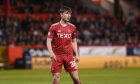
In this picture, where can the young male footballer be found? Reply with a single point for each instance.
(61, 43)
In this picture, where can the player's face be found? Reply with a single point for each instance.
(66, 16)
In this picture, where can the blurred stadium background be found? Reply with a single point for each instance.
(108, 38)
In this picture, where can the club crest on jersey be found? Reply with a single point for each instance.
(69, 31)
(63, 35)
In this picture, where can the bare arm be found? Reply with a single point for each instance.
(74, 45)
(52, 55)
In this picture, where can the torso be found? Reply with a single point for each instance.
(62, 39)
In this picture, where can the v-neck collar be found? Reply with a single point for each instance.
(62, 25)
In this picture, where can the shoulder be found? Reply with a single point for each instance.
(55, 24)
(72, 25)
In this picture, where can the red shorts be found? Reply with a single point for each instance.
(67, 61)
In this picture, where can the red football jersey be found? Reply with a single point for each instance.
(62, 38)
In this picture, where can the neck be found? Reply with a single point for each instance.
(63, 23)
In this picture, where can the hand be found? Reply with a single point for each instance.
(53, 57)
(77, 58)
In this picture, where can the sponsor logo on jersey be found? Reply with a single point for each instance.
(63, 35)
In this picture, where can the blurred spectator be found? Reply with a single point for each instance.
(46, 6)
(93, 28)
(91, 31)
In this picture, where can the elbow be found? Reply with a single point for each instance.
(48, 41)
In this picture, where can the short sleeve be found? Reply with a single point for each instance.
(51, 32)
(74, 33)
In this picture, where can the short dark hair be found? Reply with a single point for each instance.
(64, 9)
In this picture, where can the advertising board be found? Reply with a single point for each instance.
(102, 51)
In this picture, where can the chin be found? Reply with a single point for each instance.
(67, 20)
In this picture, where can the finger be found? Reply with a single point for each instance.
(52, 59)
(77, 60)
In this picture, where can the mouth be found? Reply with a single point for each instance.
(68, 18)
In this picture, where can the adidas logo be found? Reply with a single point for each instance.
(59, 31)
